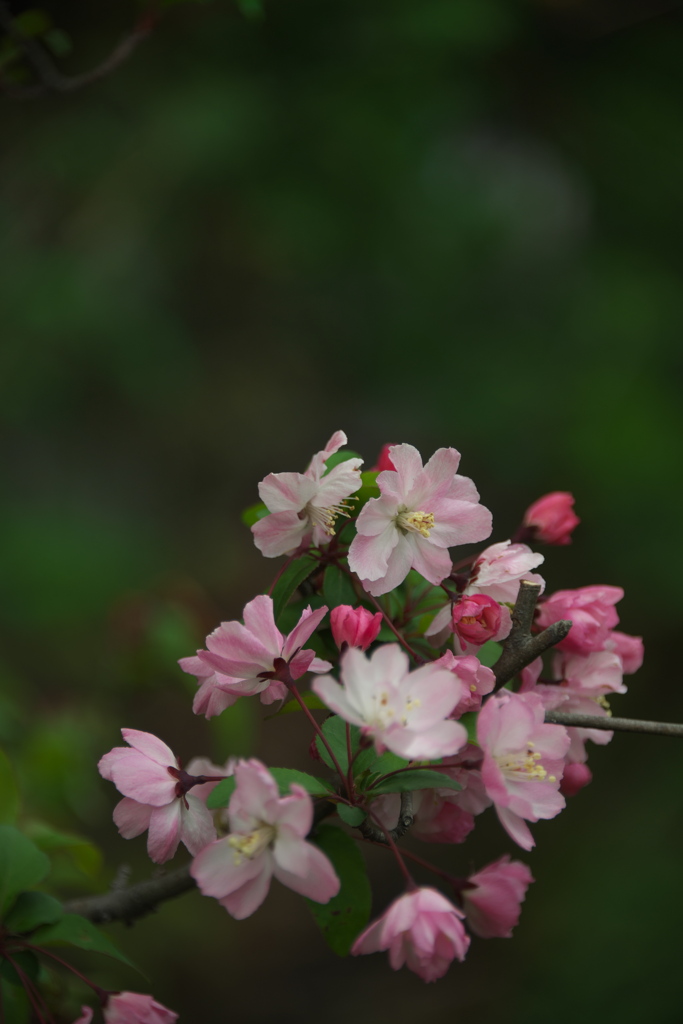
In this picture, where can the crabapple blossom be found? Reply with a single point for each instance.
(421, 929)
(267, 837)
(136, 1008)
(629, 649)
(383, 460)
(421, 512)
(523, 761)
(243, 660)
(552, 518)
(477, 678)
(592, 613)
(576, 775)
(305, 506)
(156, 796)
(492, 897)
(356, 627)
(478, 618)
(212, 697)
(403, 711)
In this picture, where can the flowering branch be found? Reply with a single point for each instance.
(405, 820)
(521, 647)
(575, 719)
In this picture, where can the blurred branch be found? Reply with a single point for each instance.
(405, 820)
(521, 647)
(570, 718)
(50, 78)
(127, 904)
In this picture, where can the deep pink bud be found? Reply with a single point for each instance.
(383, 460)
(552, 518)
(476, 619)
(574, 778)
(356, 627)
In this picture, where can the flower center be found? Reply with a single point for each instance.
(250, 846)
(524, 766)
(415, 522)
(325, 517)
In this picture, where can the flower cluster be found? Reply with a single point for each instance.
(413, 729)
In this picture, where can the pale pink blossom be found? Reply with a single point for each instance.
(591, 611)
(267, 837)
(136, 1008)
(422, 511)
(523, 761)
(576, 775)
(629, 648)
(243, 660)
(492, 898)
(403, 711)
(421, 929)
(156, 797)
(305, 506)
(478, 680)
(552, 518)
(86, 1015)
(356, 627)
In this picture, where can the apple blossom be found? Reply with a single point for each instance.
(492, 897)
(591, 610)
(305, 506)
(478, 679)
(383, 460)
(356, 627)
(629, 648)
(136, 1008)
(403, 711)
(576, 775)
(523, 761)
(552, 519)
(421, 929)
(478, 618)
(422, 511)
(267, 837)
(244, 660)
(156, 796)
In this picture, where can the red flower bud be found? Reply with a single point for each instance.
(552, 518)
(355, 626)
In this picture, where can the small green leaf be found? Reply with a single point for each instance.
(285, 776)
(9, 794)
(334, 730)
(405, 782)
(489, 653)
(368, 489)
(345, 916)
(469, 720)
(84, 854)
(388, 762)
(291, 578)
(31, 910)
(220, 795)
(351, 815)
(73, 930)
(255, 512)
(338, 588)
(32, 23)
(14, 1003)
(22, 865)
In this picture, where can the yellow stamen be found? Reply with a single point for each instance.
(325, 517)
(415, 522)
(253, 844)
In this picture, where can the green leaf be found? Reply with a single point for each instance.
(348, 912)
(255, 512)
(334, 730)
(9, 794)
(26, 961)
(368, 489)
(338, 457)
(351, 815)
(74, 930)
(337, 588)
(404, 782)
(22, 865)
(285, 776)
(469, 720)
(220, 795)
(310, 699)
(84, 854)
(489, 653)
(388, 762)
(15, 1003)
(32, 23)
(31, 910)
(291, 578)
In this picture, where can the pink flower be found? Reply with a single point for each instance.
(156, 797)
(552, 518)
(477, 619)
(523, 761)
(405, 712)
(204, 767)
(251, 658)
(136, 1008)
(422, 512)
(383, 460)
(356, 627)
(576, 776)
(477, 678)
(629, 649)
(267, 837)
(591, 610)
(305, 506)
(421, 929)
(492, 905)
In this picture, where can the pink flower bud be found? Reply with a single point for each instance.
(136, 1008)
(575, 777)
(552, 518)
(383, 460)
(356, 627)
(492, 905)
(476, 619)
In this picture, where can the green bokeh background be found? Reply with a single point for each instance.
(449, 222)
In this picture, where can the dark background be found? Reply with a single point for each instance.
(448, 222)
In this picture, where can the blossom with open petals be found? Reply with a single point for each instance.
(421, 929)
(591, 611)
(492, 898)
(243, 660)
(156, 796)
(305, 506)
(267, 837)
(422, 511)
(403, 711)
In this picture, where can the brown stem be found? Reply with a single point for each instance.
(405, 820)
(521, 647)
(136, 901)
(581, 721)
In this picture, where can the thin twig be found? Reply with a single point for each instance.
(521, 647)
(405, 820)
(136, 901)
(581, 721)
